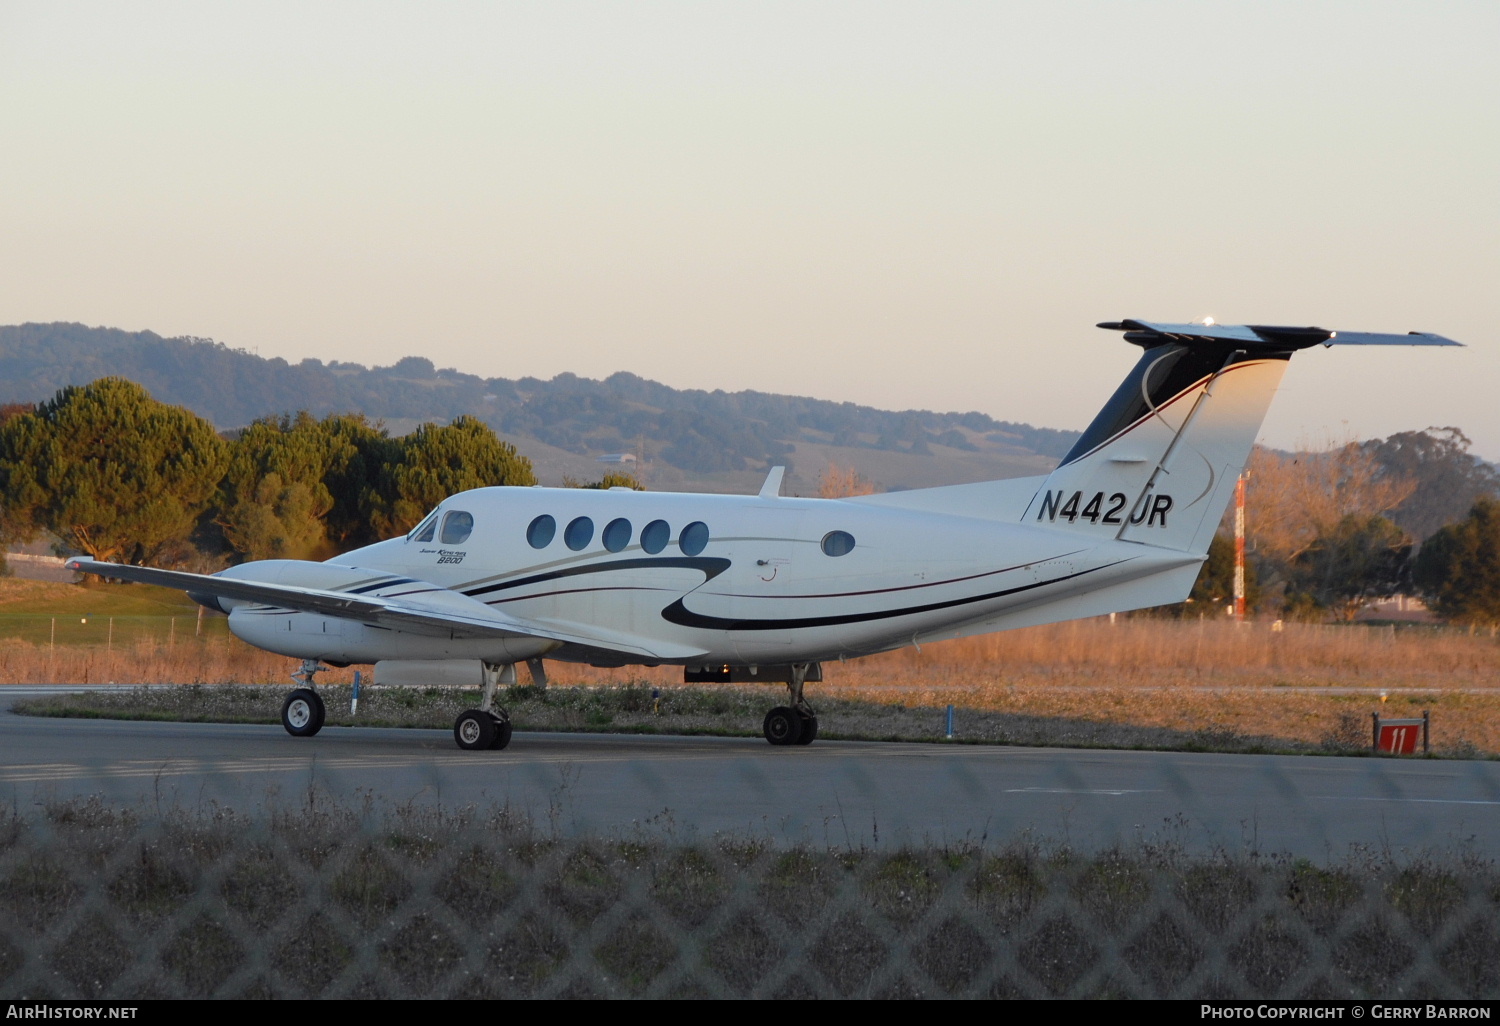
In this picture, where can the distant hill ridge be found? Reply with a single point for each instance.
(715, 440)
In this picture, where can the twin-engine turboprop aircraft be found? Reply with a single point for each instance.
(767, 588)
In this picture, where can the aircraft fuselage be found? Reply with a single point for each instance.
(761, 581)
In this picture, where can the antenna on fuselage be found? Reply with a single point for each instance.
(772, 488)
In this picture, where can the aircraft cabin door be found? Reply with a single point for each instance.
(767, 559)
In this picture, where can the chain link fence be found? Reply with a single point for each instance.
(348, 897)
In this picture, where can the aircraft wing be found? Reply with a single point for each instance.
(438, 612)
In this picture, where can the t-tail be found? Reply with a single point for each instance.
(1159, 463)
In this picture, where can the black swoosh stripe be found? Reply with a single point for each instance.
(712, 566)
(900, 587)
(566, 591)
(679, 614)
(381, 584)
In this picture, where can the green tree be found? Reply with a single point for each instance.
(1448, 477)
(434, 462)
(110, 470)
(275, 494)
(1213, 591)
(1458, 569)
(12, 528)
(1361, 558)
(359, 454)
(613, 479)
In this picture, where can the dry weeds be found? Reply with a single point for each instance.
(329, 900)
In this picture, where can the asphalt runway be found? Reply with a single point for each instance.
(830, 793)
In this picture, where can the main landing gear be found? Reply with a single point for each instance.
(302, 713)
(796, 724)
(486, 727)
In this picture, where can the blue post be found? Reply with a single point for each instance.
(354, 702)
(950, 723)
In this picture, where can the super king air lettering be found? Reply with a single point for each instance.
(1151, 510)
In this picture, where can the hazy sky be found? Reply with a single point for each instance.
(903, 204)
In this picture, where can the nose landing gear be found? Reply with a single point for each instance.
(303, 712)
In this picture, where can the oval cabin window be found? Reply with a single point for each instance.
(541, 531)
(655, 535)
(838, 543)
(617, 534)
(694, 538)
(579, 533)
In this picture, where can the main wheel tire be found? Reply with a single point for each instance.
(302, 713)
(502, 733)
(782, 726)
(474, 730)
(809, 730)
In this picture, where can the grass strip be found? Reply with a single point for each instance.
(731, 711)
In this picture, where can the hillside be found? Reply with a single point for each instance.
(688, 438)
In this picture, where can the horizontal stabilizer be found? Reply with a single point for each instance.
(1266, 336)
(1375, 338)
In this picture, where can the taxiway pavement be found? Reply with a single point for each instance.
(830, 793)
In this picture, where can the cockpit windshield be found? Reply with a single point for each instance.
(457, 526)
(423, 532)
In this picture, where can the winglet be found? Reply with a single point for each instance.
(772, 488)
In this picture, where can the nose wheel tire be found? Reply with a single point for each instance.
(302, 713)
(782, 726)
(475, 730)
(809, 730)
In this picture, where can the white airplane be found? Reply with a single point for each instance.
(740, 588)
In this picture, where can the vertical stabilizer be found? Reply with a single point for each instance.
(1159, 462)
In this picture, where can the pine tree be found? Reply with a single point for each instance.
(1458, 569)
(109, 470)
(436, 461)
(1360, 558)
(359, 455)
(275, 494)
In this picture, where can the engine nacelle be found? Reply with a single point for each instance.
(338, 640)
(335, 640)
(295, 573)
